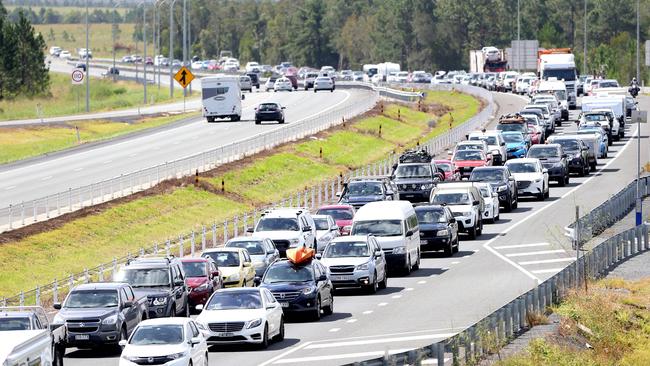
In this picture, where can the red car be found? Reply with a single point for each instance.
(467, 160)
(449, 168)
(342, 214)
(202, 277)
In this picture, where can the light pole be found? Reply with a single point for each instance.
(639, 203)
(171, 48)
(156, 38)
(87, 63)
(113, 34)
(184, 39)
(518, 39)
(584, 44)
(144, 40)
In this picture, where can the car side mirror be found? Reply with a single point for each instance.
(544, 171)
(319, 256)
(195, 340)
(127, 304)
(378, 253)
(284, 107)
(565, 155)
(199, 307)
(250, 230)
(476, 202)
(335, 228)
(247, 264)
(503, 144)
(243, 97)
(57, 306)
(179, 283)
(215, 274)
(338, 194)
(123, 343)
(306, 229)
(511, 178)
(322, 278)
(409, 233)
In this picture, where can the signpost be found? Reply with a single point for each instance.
(647, 53)
(639, 117)
(77, 77)
(184, 78)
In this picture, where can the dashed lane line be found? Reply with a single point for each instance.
(545, 261)
(365, 342)
(541, 252)
(522, 246)
(337, 357)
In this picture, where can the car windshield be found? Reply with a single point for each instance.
(560, 94)
(157, 334)
(491, 140)
(522, 167)
(566, 74)
(254, 247)
(224, 259)
(485, 192)
(144, 277)
(231, 300)
(346, 249)
(378, 228)
(487, 175)
(446, 167)
(543, 152)
(92, 299)
(517, 127)
(364, 189)
(287, 272)
(413, 171)
(474, 146)
(267, 107)
(277, 224)
(431, 216)
(608, 84)
(336, 213)
(14, 323)
(473, 155)
(194, 269)
(595, 117)
(513, 137)
(569, 145)
(449, 198)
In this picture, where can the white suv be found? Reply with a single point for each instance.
(496, 144)
(288, 228)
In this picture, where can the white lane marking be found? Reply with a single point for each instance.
(408, 289)
(108, 161)
(133, 155)
(541, 252)
(379, 341)
(543, 261)
(333, 330)
(522, 246)
(550, 270)
(422, 282)
(47, 178)
(338, 357)
(477, 250)
(385, 303)
(367, 312)
(176, 142)
(455, 262)
(351, 321)
(535, 213)
(10, 187)
(284, 354)
(78, 169)
(393, 297)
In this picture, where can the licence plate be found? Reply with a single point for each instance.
(225, 334)
(341, 278)
(284, 304)
(521, 191)
(82, 337)
(424, 242)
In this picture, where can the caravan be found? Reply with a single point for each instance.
(613, 102)
(221, 97)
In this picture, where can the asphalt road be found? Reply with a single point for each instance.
(78, 168)
(446, 294)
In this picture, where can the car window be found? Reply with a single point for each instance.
(188, 331)
(269, 246)
(269, 297)
(247, 257)
(123, 296)
(195, 330)
(176, 274)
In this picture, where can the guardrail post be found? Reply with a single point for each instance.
(313, 200)
(70, 282)
(55, 291)
(536, 299)
(155, 247)
(214, 234)
(508, 322)
(37, 296)
(245, 220)
(203, 239)
(21, 298)
(225, 231)
(168, 245)
(192, 243)
(645, 237)
(3, 302)
(440, 353)
(142, 252)
(86, 275)
(181, 245)
(100, 275)
(236, 227)
(115, 263)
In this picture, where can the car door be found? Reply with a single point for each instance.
(380, 259)
(178, 290)
(249, 270)
(196, 353)
(131, 314)
(273, 311)
(272, 252)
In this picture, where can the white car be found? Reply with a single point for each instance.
(65, 55)
(197, 65)
(287, 228)
(323, 83)
(252, 67)
(270, 83)
(531, 177)
(326, 230)
(282, 84)
(496, 144)
(491, 211)
(165, 341)
(241, 315)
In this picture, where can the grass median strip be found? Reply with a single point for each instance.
(101, 234)
(17, 143)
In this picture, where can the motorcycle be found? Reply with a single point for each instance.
(634, 91)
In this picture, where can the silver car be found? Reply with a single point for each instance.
(323, 83)
(262, 251)
(356, 261)
(326, 230)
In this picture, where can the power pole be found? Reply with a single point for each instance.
(87, 63)
(171, 48)
(584, 45)
(518, 38)
(184, 39)
(144, 40)
(639, 202)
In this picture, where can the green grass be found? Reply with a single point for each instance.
(26, 142)
(618, 314)
(100, 39)
(391, 130)
(272, 178)
(463, 107)
(95, 239)
(408, 115)
(63, 10)
(66, 99)
(337, 149)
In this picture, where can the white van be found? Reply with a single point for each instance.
(395, 226)
(557, 88)
(221, 97)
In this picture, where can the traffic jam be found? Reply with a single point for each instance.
(292, 264)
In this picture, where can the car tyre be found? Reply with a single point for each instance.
(593, 165)
(280, 336)
(187, 308)
(472, 233)
(567, 178)
(407, 268)
(205, 360)
(480, 227)
(329, 309)
(449, 250)
(281, 121)
(516, 204)
(384, 283)
(457, 247)
(416, 266)
(316, 313)
(508, 205)
(257, 122)
(123, 337)
(372, 288)
(265, 337)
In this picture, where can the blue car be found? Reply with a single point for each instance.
(516, 145)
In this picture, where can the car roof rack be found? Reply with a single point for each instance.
(421, 155)
(151, 258)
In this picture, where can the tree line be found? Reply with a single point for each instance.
(52, 16)
(418, 34)
(22, 58)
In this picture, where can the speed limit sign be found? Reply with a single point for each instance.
(78, 77)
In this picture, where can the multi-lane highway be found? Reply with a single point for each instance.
(446, 294)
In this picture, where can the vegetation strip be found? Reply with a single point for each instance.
(97, 234)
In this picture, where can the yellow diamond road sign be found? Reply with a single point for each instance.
(184, 77)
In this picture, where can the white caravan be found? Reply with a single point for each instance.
(221, 97)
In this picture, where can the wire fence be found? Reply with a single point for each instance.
(200, 236)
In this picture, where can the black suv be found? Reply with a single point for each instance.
(438, 228)
(577, 154)
(300, 288)
(503, 183)
(162, 281)
(415, 176)
(360, 190)
(255, 79)
(554, 160)
(96, 314)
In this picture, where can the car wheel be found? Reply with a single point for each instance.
(480, 227)
(384, 283)
(58, 352)
(281, 121)
(567, 178)
(265, 337)
(593, 165)
(187, 309)
(508, 205)
(172, 311)
(516, 204)
(329, 309)
(372, 288)
(449, 250)
(542, 195)
(407, 268)
(547, 192)
(257, 122)
(123, 337)
(316, 313)
(205, 360)
(314, 90)
(280, 336)
(497, 217)
(416, 266)
(472, 232)
(457, 247)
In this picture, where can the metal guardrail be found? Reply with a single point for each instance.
(193, 241)
(17, 215)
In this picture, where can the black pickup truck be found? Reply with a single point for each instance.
(416, 175)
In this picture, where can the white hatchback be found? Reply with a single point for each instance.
(531, 177)
(241, 315)
(165, 341)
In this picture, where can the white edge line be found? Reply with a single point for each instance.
(284, 354)
(535, 213)
(522, 246)
(541, 252)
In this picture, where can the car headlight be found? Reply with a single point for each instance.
(176, 356)
(130, 358)
(399, 250)
(443, 232)
(110, 320)
(234, 277)
(502, 188)
(362, 267)
(468, 213)
(58, 319)
(294, 241)
(160, 301)
(308, 290)
(426, 186)
(203, 287)
(253, 323)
